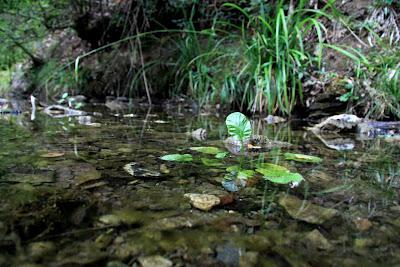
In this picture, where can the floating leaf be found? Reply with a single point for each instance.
(211, 162)
(302, 158)
(178, 157)
(238, 126)
(278, 174)
(285, 178)
(271, 167)
(207, 150)
(221, 155)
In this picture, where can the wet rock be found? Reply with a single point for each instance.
(135, 170)
(39, 250)
(270, 119)
(316, 240)
(337, 123)
(362, 224)
(199, 134)
(154, 261)
(305, 211)
(203, 201)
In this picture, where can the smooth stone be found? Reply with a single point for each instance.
(154, 261)
(317, 240)
(203, 202)
(303, 210)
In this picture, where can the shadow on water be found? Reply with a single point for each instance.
(66, 200)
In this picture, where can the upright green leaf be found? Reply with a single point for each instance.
(238, 126)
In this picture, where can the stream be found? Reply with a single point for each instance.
(66, 198)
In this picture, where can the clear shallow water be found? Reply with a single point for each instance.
(65, 199)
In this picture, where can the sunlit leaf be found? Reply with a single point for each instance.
(285, 178)
(221, 155)
(238, 126)
(245, 174)
(178, 157)
(302, 158)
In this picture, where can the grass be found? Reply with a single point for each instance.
(5, 79)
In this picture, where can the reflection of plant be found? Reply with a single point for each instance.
(70, 100)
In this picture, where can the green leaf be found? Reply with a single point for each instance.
(269, 167)
(65, 95)
(234, 168)
(178, 157)
(206, 150)
(278, 174)
(302, 158)
(238, 126)
(285, 178)
(221, 155)
(245, 174)
(211, 162)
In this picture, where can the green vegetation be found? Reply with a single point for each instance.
(253, 57)
(239, 128)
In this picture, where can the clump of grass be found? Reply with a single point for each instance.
(379, 85)
(277, 55)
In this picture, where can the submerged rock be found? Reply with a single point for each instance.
(317, 240)
(270, 119)
(303, 210)
(39, 250)
(203, 201)
(154, 261)
(85, 173)
(199, 134)
(135, 170)
(362, 224)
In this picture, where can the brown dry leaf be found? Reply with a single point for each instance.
(53, 154)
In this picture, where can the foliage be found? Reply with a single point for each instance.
(178, 157)
(378, 86)
(207, 150)
(238, 126)
(277, 56)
